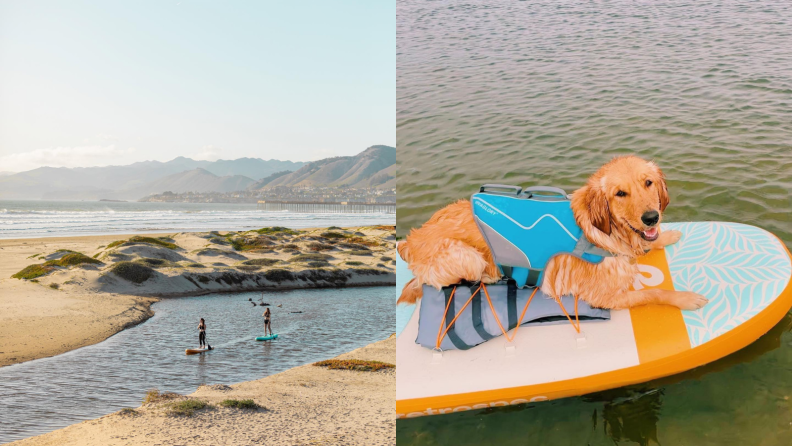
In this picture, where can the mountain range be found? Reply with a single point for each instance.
(374, 167)
(137, 180)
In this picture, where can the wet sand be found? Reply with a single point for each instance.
(306, 405)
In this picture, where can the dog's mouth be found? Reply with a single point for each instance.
(649, 235)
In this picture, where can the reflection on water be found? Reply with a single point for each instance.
(737, 400)
(632, 419)
(42, 395)
(543, 93)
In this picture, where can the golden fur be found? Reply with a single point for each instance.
(449, 247)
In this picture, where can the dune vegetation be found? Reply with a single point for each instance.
(240, 404)
(257, 259)
(71, 259)
(132, 271)
(160, 241)
(354, 364)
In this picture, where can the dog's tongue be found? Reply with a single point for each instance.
(651, 232)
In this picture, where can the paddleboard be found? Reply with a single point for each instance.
(744, 271)
(195, 351)
(267, 338)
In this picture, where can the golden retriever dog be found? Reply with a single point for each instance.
(619, 209)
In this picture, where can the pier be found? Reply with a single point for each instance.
(322, 207)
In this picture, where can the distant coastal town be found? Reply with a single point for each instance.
(320, 194)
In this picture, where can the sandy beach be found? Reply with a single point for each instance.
(306, 405)
(37, 321)
(74, 305)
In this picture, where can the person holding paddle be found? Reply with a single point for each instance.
(202, 334)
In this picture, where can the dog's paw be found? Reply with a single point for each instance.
(688, 300)
(670, 237)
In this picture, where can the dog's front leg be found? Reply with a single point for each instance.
(685, 300)
(666, 238)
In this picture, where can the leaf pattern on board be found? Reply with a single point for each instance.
(741, 269)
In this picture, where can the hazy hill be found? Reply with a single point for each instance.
(254, 168)
(265, 181)
(374, 167)
(196, 180)
(90, 183)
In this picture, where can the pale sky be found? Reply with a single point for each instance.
(93, 83)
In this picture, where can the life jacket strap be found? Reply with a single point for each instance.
(584, 246)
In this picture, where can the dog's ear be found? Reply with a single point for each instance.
(599, 211)
(590, 202)
(401, 248)
(662, 191)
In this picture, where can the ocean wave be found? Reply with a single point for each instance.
(48, 223)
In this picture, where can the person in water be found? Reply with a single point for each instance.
(202, 333)
(267, 325)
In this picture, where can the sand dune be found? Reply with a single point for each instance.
(76, 305)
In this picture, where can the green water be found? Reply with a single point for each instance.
(542, 94)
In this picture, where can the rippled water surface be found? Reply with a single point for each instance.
(545, 92)
(46, 394)
(34, 218)
(542, 93)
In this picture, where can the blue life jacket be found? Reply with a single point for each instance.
(526, 228)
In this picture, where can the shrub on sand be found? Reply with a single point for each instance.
(186, 408)
(140, 239)
(33, 271)
(249, 268)
(310, 257)
(155, 396)
(133, 272)
(73, 259)
(156, 263)
(277, 230)
(370, 271)
(240, 404)
(261, 262)
(316, 246)
(279, 275)
(354, 364)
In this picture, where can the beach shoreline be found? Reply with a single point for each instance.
(300, 406)
(77, 306)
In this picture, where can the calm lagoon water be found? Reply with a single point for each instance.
(542, 93)
(46, 394)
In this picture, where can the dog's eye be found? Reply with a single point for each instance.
(621, 193)
(648, 183)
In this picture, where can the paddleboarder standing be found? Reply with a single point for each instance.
(202, 333)
(267, 326)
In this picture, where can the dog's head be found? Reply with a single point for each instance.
(627, 194)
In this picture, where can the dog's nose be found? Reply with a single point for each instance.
(650, 218)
